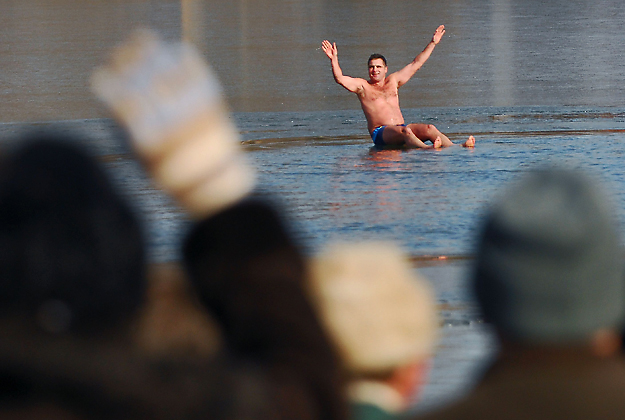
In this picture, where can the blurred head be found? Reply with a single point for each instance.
(71, 251)
(549, 266)
(380, 313)
(246, 243)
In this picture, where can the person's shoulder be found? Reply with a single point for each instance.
(393, 79)
(361, 85)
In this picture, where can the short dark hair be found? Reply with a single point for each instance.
(374, 56)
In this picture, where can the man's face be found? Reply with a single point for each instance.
(377, 70)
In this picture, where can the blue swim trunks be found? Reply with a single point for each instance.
(376, 135)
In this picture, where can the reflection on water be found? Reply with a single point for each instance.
(386, 199)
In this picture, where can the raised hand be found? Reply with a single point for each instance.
(329, 49)
(438, 34)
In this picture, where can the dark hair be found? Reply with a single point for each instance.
(71, 249)
(250, 273)
(250, 240)
(374, 56)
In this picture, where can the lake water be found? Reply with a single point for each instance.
(535, 82)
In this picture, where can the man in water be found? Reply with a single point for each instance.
(380, 100)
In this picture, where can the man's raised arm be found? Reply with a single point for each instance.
(407, 72)
(350, 83)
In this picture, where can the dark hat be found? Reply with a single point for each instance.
(71, 248)
(234, 253)
(549, 267)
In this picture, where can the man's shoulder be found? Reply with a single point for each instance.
(363, 83)
(393, 79)
(389, 84)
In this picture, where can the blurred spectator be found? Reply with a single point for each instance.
(72, 284)
(62, 222)
(251, 276)
(383, 319)
(549, 278)
(276, 361)
(71, 272)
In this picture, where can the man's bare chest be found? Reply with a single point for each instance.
(387, 93)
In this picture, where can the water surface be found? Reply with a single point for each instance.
(495, 53)
(536, 82)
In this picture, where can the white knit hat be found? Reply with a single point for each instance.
(378, 310)
(170, 101)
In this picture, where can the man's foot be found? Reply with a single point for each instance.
(470, 142)
(438, 143)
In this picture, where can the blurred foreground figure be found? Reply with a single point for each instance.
(71, 278)
(549, 277)
(383, 319)
(277, 362)
(251, 276)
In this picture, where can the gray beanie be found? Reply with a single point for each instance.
(549, 265)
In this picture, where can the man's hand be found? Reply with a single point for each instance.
(329, 49)
(438, 34)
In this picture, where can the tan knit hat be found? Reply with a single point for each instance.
(170, 101)
(380, 313)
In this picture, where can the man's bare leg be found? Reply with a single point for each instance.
(397, 134)
(430, 132)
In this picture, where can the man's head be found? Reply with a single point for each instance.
(376, 56)
(377, 67)
(549, 268)
(379, 312)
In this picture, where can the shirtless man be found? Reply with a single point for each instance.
(379, 99)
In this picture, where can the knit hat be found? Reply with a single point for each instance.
(72, 253)
(549, 265)
(170, 101)
(379, 312)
